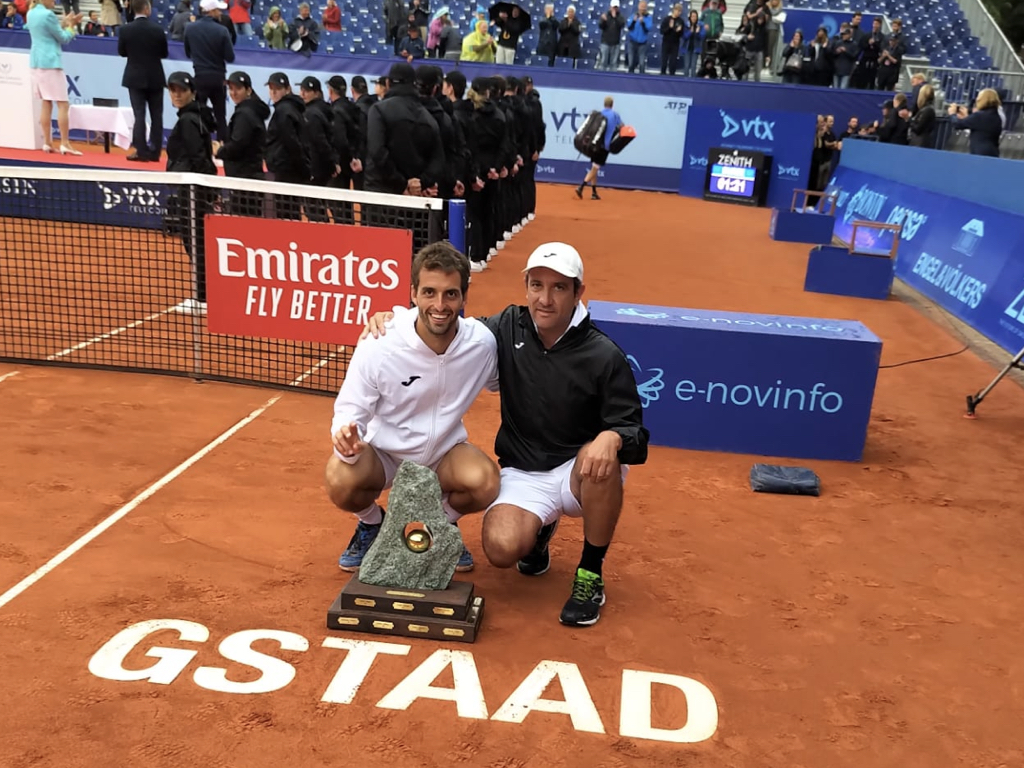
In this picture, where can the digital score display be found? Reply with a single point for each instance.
(737, 176)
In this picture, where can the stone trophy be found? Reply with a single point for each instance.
(404, 586)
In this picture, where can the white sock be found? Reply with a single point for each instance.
(452, 515)
(372, 515)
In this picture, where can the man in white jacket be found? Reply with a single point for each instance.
(404, 397)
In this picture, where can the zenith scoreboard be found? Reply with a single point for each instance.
(737, 176)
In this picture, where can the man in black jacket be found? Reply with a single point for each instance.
(428, 80)
(144, 44)
(208, 44)
(536, 110)
(363, 100)
(571, 424)
(287, 158)
(404, 153)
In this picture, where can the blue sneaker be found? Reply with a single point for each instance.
(465, 561)
(352, 557)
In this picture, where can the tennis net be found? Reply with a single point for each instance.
(108, 269)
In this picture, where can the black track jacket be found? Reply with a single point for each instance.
(555, 401)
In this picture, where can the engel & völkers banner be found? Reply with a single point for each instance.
(300, 281)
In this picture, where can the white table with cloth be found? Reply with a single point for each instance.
(117, 121)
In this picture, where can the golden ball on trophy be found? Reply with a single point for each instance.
(418, 538)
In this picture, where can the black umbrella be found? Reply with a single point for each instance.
(721, 6)
(499, 8)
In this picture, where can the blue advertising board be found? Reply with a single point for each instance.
(759, 384)
(788, 137)
(966, 257)
(141, 204)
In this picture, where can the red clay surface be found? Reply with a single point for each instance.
(877, 625)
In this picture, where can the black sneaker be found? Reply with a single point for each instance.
(583, 607)
(594, 195)
(539, 559)
(579, 192)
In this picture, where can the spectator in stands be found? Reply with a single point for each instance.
(190, 150)
(304, 35)
(181, 19)
(755, 33)
(411, 47)
(208, 44)
(984, 123)
(639, 33)
(711, 17)
(275, 30)
(613, 123)
(11, 19)
(793, 59)
(420, 12)
(242, 149)
(93, 28)
(45, 60)
(510, 28)
(144, 44)
(916, 81)
(858, 33)
(672, 27)
(611, 24)
(775, 18)
(707, 68)
(820, 70)
(921, 132)
(437, 25)
(238, 12)
(450, 45)
(693, 44)
(893, 129)
(404, 153)
(891, 58)
(569, 36)
(331, 18)
(110, 15)
(479, 46)
(844, 57)
(286, 152)
(547, 39)
(866, 72)
(394, 16)
(819, 165)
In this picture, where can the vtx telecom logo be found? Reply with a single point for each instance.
(698, 161)
(792, 172)
(760, 129)
(573, 117)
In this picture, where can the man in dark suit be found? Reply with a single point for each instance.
(144, 44)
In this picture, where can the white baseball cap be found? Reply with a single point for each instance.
(560, 257)
(615, 3)
(213, 5)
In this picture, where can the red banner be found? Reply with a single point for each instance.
(299, 281)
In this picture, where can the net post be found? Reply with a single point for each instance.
(457, 224)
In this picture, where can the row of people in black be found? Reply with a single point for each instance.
(423, 133)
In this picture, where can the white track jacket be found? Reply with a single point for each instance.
(409, 401)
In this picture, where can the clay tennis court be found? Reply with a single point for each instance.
(877, 625)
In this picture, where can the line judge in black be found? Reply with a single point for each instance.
(144, 44)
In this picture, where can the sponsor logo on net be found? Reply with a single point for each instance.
(173, 645)
(133, 199)
(776, 396)
(755, 126)
(22, 187)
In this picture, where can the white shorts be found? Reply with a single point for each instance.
(391, 463)
(548, 495)
(49, 84)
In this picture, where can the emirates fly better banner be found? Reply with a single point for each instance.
(298, 281)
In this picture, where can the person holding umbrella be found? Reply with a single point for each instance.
(437, 24)
(511, 21)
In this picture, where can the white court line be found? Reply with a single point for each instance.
(108, 334)
(9, 375)
(32, 578)
(316, 367)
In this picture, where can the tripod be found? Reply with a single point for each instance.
(974, 400)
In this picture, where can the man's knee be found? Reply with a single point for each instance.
(343, 486)
(484, 479)
(508, 535)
